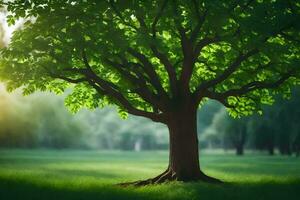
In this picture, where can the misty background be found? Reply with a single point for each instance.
(41, 120)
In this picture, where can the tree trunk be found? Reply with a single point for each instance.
(184, 156)
(183, 153)
(240, 150)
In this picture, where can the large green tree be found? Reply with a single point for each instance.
(158, 59)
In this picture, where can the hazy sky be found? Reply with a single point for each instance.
(8, 30)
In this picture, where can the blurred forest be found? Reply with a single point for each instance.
(278, 127)
(42, 121)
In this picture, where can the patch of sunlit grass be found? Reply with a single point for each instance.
(92, 175)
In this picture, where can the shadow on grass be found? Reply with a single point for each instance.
(23, 190)
(84, 173)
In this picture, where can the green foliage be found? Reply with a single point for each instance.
(82, 96)
(57, 33)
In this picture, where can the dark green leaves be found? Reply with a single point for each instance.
(52, 44)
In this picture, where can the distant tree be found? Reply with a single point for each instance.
(158, 59)
(235, 132)
(15, 129)
(288, 128)
(263, 129)
(278, 126)
(30, 123)
(296, 144)
(54, 126)
(228, 132)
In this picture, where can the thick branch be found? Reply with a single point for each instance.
(65, 78)
(258, 85)
(119, 15)
(130, 109)
(70, 80)
(169, 68)
(188, 60)
(149, 69)
(162, 57)
(126, 104)
(141, 86)
(230, 70)
(203, 43)
(110, 89)
(189, 49)
(290, 38)
(216, 96)
(200, 22)
(255, 85)
(157, 17)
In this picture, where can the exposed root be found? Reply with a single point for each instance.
(162, 178)
(168, 176)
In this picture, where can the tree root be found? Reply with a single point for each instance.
(170, 175)
(209, 179)
(163, 177)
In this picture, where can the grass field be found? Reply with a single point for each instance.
(44, 174)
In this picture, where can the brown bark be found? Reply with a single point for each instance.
(183, 156)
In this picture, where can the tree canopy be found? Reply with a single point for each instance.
(148, 57)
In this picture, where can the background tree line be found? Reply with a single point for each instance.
(42, 121)
(277, 128)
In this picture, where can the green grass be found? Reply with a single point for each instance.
(44, 174)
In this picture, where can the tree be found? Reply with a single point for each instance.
(264, 137)
(227, 132)
(278, 126)
(236, 132)
(157, 59)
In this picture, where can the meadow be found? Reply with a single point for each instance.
(74, 174)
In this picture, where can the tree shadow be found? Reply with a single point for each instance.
(84, 173)
(23, 190)
(270, 190)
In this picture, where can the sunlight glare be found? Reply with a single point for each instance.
(8, 30)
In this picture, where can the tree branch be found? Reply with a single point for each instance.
(157, 17)
(201, 20)
(203, 43)
(148, 68)
(156, 117)
(119, 15)
(289, 37)
(231, 69)
(169, 68)
(70, 80)
(110, 89)
(142, 89)
(258, 85)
